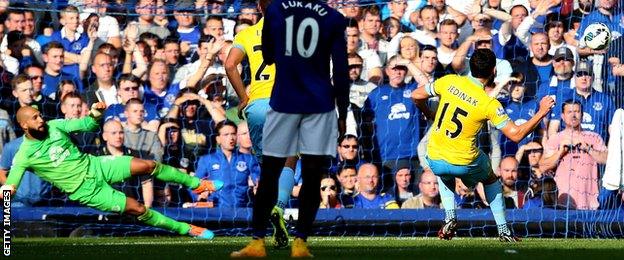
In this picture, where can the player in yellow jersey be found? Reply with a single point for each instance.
(254, 104)
(452, 150)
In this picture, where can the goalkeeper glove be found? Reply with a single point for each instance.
(95, 112)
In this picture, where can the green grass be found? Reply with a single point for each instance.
(324, 248)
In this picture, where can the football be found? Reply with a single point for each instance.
(597, 36)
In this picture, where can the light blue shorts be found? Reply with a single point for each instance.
(256, 116)
(476, 171)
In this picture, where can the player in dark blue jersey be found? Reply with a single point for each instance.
(300, 37)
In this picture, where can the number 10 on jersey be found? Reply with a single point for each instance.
(305, 50)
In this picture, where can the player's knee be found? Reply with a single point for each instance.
(150, 166)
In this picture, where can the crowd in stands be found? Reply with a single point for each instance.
(159, 67)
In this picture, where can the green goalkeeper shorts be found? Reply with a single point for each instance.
(96, 192)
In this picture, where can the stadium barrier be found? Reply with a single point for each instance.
(548, 223)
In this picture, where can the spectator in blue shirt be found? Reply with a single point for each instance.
(158, 91)
(368, 198)
(598, 107)
(396, 120)
(187, 28)
(75, 42)
(520, 109)
(128, 88)
(237, 170)
(54, 57)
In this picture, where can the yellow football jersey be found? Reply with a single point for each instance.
(464, 108)
(262, 75)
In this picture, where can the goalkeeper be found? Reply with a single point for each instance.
(48, 152)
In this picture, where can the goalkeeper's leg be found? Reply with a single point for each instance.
(167, 173)
(156, 219)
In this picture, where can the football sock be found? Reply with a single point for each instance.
(167, 173)
(312, 168)
(286, 183)
(266, 194)
(494, 196)
(448, 198)
(154, 218)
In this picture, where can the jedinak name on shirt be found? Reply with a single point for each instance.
(463, 96)
(297, 4)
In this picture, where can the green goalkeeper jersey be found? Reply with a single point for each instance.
(56, 158)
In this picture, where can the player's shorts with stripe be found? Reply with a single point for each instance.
(477, 171)
(289, 134)
(95, 191)
(256, 113)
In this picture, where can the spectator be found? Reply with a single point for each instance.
(403, 185)
(429, 196)
(358, 93)
(520, 109)
(187, 27)
(77, 46)
(447, 38)
(529, 156)
(171, 49)
(606, 12)
(371, 62)
(390, 27)
(158, 91)
(542, 193)
(244, 139)
(235, 169)
(396, 121)
(113, 136)
(368, 198)
(53, 55)
(513, 192)
(108, 29)
(575, 154)
(191, 74)
(145, 142)
(371, 39)
(538, 70)
(347, 176)
(348, 150)
(128, 87)
(146, 9)
(196, 125)
(561, 83)
(217, 8)
(481, 39)
(351, 10)
(72, 107)
(398, 9)
(598, 107)
(35, 73)
(171, 140)
(426, 35)
(248, 12)
(329, 198)
(104, 86)
(214, 27)
(22, 96)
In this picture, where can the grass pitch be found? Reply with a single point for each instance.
(324, 248)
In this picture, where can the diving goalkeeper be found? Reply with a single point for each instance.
(48, 152)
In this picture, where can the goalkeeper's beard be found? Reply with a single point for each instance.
(39, 134)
